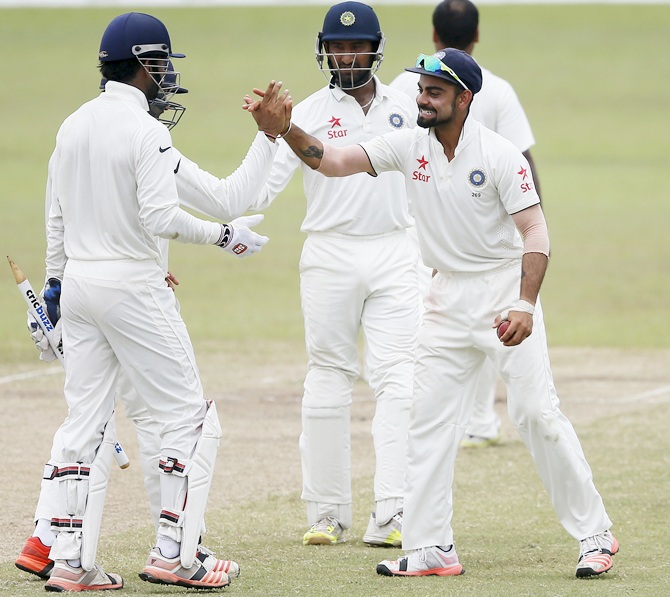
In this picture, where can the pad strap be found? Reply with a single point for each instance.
(173, 466)
(173, 518)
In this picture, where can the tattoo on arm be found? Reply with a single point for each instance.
(312, 152)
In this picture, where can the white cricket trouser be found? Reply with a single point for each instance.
(484, 421)
(348, 282)
(455, 338)
(127, 321)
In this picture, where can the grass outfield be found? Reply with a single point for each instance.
(592, 79)
(594, 82)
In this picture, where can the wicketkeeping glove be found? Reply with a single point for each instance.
(238, 239)
(51, 297)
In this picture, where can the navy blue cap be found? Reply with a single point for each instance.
(462, 65)
(350, 20)
(133, 34)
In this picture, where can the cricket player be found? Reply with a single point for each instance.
(496, 106)
(481, 227)
(357, 271)
(225, 199)
(114, 206)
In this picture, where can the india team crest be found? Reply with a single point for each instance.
(396, 120)
(347, 18)
(477, 178)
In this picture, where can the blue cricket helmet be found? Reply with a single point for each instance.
(351, 20)
(133, 34)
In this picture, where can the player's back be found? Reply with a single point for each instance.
(96, 174)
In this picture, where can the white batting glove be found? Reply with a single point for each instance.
(238, 239)
(41, 341)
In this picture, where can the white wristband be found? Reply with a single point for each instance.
(523, 306)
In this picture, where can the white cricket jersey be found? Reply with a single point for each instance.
(496, 106)
(112, 186)
(358, 205)
(461, 207)
(224, 198)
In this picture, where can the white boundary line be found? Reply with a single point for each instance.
(31, 374)
(662, 391)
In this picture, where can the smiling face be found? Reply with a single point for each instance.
(441, 103)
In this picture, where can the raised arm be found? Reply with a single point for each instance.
(327, 159)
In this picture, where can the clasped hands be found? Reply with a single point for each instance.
(272, 112)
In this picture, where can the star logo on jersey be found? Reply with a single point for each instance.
(525, 186)
(421, 176)
(340, 132)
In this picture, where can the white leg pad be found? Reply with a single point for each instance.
(82, 490)
(97, 490)
(385, 509)
(199, 482)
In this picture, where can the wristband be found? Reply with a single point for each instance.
(288, 130)
(280, 135)
(226, 236)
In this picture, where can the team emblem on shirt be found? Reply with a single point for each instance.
(347, 18)
(396, 120)
(477, 178)
(336, 129)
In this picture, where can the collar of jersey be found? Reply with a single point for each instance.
(470, 129)
(115, 90)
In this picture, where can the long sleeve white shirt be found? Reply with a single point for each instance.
(113, 194)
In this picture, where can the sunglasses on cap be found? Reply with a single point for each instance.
(435, 65)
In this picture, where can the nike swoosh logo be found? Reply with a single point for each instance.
(164, 149)
(177, 168)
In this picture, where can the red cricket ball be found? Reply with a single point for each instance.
(502, 328)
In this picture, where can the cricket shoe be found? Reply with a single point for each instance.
(169, 571)
(384, 535)
(327, 531)
(476, 441)
(34, 558)
(427, 561)
(65, 578)
(595, 554)
(213, 564)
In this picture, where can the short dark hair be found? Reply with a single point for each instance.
(456, 22)
(120, 70)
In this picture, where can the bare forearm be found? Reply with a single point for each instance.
(533, 268)
(308, 148)
(329, 160)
